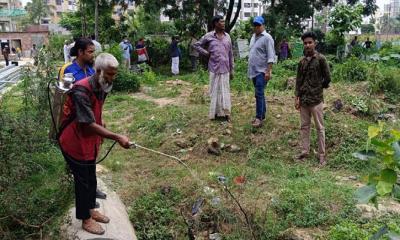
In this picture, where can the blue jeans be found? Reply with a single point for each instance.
(261, 105)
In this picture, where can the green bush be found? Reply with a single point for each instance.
(158, 50)
(126, 80)
(56, 46)
(34, 187)
(116, 51)
(352, 70)
(153, 215)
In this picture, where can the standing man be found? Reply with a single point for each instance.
(97, 45)
(261, 59)
(175, 53)
(66, 52)
(126, 47)
(220, 66)
(368, 43)
(313, 75)
(81, 134)
(194, 55)
(6, 54)
(34, 54)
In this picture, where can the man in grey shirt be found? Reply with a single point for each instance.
(261, 58)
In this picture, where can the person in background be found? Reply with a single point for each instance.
(126, 47)
(81, 134)
(261, 59)
(6, 54)
(194, 55)
(313, 75)
(175, 54)
(66, 52)
(354, 41)
(19, 52)
(34, 54)
(141, 51)
(97, 45)
(220, 67)
(368, 43)
(284, 50)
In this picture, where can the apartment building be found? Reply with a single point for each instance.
(58, 7)
(10, 9)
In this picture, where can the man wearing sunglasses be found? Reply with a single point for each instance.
(261, 59)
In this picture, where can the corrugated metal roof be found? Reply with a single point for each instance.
(12, 12)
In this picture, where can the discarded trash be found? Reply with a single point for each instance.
(208, 190)
(214, 236)
(215, 201)
(197, 206)
(222, 179)
(239, 180)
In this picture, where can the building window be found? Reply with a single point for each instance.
(255, 5)
(255, 14)
(58, 2)
(247, 14)
(59, 14)
(45, 21)
(247, 5)
(70, 3)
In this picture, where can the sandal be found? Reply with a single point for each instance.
(98, 217)
(93, 227)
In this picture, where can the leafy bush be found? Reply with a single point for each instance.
(56, 46)
(33, 185)
(126, 80)
(153, 215)
(352, 70)
(116, 51)
(158, 50)
(387, 153)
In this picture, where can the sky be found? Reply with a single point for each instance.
(380, 3)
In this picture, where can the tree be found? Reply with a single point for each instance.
(344, 19)
(194, 16)
(369, 7)
(82, 22)
(38, 9)
(367, 28)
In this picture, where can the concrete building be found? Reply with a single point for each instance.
(392, 9)
(9, 10)
(58, 7)
(249, 8)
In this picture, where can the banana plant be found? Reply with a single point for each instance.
(384, 148)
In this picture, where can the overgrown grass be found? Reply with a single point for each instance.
(278, 194)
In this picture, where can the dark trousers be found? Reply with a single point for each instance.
(193, 60)
(7, 61)
(84, 173)
(259, 85)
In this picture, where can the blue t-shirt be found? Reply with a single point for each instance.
(78, 72)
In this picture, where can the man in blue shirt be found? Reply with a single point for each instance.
(261, 59)
(126, 47)
(81, 67)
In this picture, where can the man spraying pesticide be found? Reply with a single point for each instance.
(80, 136)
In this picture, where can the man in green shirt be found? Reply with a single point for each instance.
(313, 75)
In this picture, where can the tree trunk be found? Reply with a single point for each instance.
(232, 24)
(96, 19)
(229, 14)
